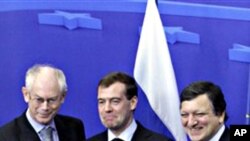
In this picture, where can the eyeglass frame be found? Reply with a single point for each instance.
(50, 101)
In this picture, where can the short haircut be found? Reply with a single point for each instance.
(32, 73)
(131, 87)
(212, 91)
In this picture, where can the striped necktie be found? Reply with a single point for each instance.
(46, 134)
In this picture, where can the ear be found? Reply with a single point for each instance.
(63, 97)
(133, 102)
(222, 117)
(25, 94)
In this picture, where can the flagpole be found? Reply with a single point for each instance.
(248, 101)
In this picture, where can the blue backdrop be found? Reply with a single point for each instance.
(86, 55)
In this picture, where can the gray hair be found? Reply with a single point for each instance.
(36, 69)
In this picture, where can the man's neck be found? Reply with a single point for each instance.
(126, 134)
(119, 131)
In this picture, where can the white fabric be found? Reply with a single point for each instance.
(154, 72)
(217, 136)
(126, 135)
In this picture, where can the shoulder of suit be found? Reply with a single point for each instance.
(151, 134)
(99, 137)
(12, 128)
(67, 118)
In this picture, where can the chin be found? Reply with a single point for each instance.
(196, 138)
(44, 121)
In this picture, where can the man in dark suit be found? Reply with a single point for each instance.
(203, 112)
(117, 101)
(44, 92)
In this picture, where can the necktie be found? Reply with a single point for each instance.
(46, 134)
(117, 139)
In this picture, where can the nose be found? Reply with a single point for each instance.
(107, 107)
(45, 105)
(192, 121)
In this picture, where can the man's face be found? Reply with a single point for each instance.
(115, 110)
(44, 99)
(199, 120)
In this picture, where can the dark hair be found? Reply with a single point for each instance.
(109, 79)
(213, 92)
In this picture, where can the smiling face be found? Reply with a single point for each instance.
(199, 120)
(44, 98)
(115, 110)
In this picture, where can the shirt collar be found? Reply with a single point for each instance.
(126, 135)
(217, 136)
(37, 126)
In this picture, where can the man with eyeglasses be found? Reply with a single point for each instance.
(44, 92)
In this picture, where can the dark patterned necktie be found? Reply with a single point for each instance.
(117, 139)
(46, 134)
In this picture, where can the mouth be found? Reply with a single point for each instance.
(44, 115)
(195, 131)
(109, 118)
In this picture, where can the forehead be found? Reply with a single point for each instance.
(200, 103)
(46, 83)
(117, 89)
(46, 77)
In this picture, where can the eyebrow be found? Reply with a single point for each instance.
(37, 96)
(111, 98)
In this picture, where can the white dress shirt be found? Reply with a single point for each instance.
(38, 127)
(217, 136)
(126, 135)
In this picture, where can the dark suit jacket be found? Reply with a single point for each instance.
(69, 129)
(141, 134)
(226, 135)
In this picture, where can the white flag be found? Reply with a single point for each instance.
(154, 72)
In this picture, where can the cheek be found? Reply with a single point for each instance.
(34, 111)
(100, 109)
(33, 107)
(183, 121)
(100, 112)
(204, 121)
(125, 111)
(56, 107)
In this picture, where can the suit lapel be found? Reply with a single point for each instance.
(103, 136)
(62, 130)
(226, 135)
(27, 132)
(140, 134)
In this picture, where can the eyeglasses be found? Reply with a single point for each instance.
(50, 101)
